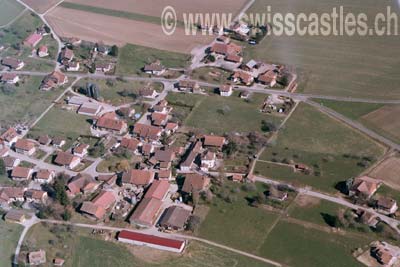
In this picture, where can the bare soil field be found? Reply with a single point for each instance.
(114, 30)
(385, 120)
(388, 171)
(41, 6)
(155, 7)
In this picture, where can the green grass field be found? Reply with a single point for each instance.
(132, 59)
(25, 102)
(383, 122)
(217, 114)
(9, 233)
(334, 65)
(62, 123)
(334, 151)
(9, 9)
(118, 92)
(80, 249)
(295, 245)
(211, 75)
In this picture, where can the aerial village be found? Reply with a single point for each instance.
(159, 193)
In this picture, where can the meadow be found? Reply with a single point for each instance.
(334, 65)
(332, 150)
(9, 233)
(9, 9)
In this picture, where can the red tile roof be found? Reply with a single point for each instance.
(213, 140)
(24, 144)
(157, 190)
(151, 239)
(138, 177)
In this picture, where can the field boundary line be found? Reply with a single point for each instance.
(14, 19)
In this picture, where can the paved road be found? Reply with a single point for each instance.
(304, 191)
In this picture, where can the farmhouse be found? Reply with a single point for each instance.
(53, 80)
(11, 162)
(21, 173)
(226, 49)
(146, 212)
(36, 196)
(226, 90)
(242, 77)
(44, 140)
(13, 63)
(33, 39)
(82, 183)
(10, 78)
(364, 186)
(158, 190)
(66, 55)
(43, 51)
(67, 160)
(138, 177)
(131, 144)
(148, 93)
(37, 257)
(25, 147)
(387, 205)
(11, 194)
(89, 109)
(103, 66)
(15, 216)
(81, 150)
(174, 218)
(151, 241)
(187, 85)
(97, 208)
(268, 78)
(154, 68)
(44, 176)
(9, 137)
(195, 182)
(214, 141)
(147, 132)
(109, 122)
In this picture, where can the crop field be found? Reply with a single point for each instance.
(332, 150)
(154, 8)
(41, 6)
(79, 249)
(217, 114)
(9, 238)
(90, 26)
(24, 103)
(9, 9)
(378, 117)
(388, 171)
(321, 60)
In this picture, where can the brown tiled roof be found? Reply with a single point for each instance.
(146, 212)
(195, 182)
(157, 190)
(147, 131)
(64, 158)
(24, 144)
(166, 155)
(81, 148)
(11, 62)
(130, 143)
(21, 172)
(158, 118)
(267, 77)
(81, 183)
(213, 140)
(8, 135)
(175, 217)
(111, 124)
(138, 177)
(35, 194)
(43, 174)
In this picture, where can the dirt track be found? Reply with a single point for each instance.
(41, 5)
(113, 30)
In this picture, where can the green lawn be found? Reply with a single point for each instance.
(118, 92)
(9, 233)
(80, 249)
(25, 102)
(62, 123)
(335, 65)
(295, 245)
(211, 75)
(9, 9)
(237, 224)
(219, 115)
(132, 59)
(334, 151)
(383, 123)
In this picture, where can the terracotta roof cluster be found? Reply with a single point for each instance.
(138, 177)
(147, 131)
(158, 189)
(158, 118)
(165, 155)
(99, 205)
(267, 77)
(33, 39)
(54, 79)
(109, 123)
(130, 143)
(243, 76)
(64, 158)
(81, 183)
(146, 212)
(226, 49)
(8, 193)
(24, 144)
